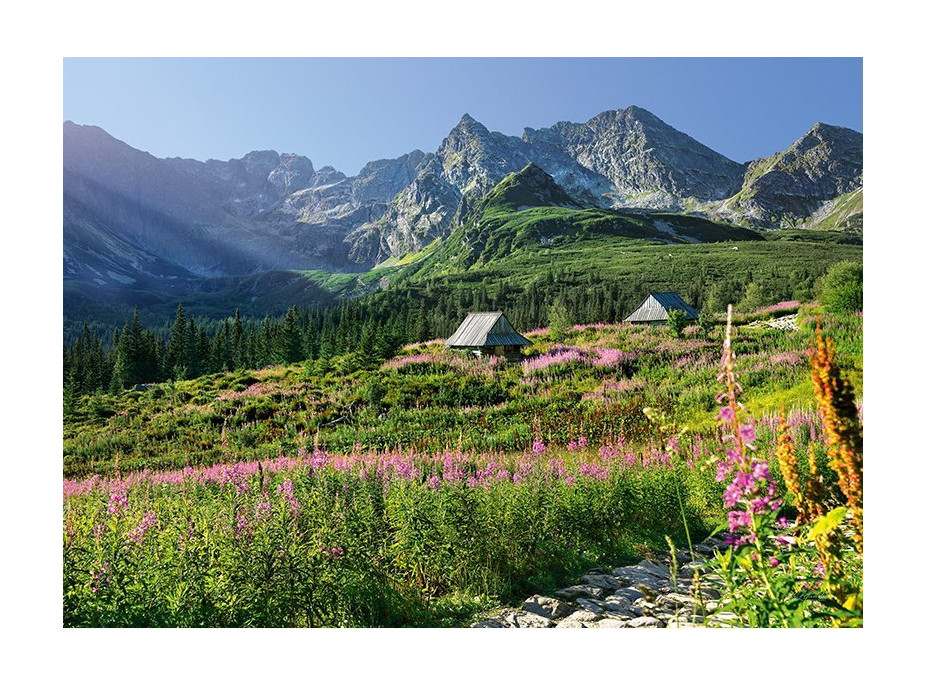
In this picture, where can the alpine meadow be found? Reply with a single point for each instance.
(596, 375)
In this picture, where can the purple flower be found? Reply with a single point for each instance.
(726, 414)
(747, 433)
(100, 578)
(119, 501)
(148, 521)
(738, 518)
(761, 471)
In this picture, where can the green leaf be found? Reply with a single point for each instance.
(826, 523)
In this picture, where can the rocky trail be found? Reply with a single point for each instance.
(645, 595)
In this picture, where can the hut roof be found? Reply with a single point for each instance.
(481, 329)
(655, 307)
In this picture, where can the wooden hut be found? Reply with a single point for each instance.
(655, 308)
(488, 333)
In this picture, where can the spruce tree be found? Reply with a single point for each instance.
(559, 320)
(175, 364)
(289, 340)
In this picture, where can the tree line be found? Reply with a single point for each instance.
(372, 327)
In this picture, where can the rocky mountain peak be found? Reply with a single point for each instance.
(788, 187)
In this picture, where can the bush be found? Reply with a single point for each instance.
(841, 290)
(676, 320)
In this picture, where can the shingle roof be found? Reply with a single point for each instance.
(485, 329)
(654, 308)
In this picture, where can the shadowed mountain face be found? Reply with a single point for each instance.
(135, 223)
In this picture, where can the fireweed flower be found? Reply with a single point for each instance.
(119, 501)
(243, 526)
(285, 489)
(751, 490)
(100, 578)
(148, 521)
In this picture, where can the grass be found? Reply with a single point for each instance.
(419, 493)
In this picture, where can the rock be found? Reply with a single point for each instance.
(549, 608)
(529, 620)
(646, 623)
(709, 593)
(493, 623)
(637, 577)
(590, 606)
(645, 606)
(629, 594)
(580, 590)
(581, 619)
(605, 581)
(655, 569)
(675, 601)
(609, 623)
(618, 605)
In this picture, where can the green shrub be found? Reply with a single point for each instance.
(676, 320)
(841, 290)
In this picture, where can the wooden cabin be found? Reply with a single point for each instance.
(488, 333)
(655, 308)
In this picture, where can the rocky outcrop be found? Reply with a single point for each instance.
(790, 187)
(647, 595)
(649, 163)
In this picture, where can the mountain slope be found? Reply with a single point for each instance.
(788, 188)
(138, 228)
(529, 212)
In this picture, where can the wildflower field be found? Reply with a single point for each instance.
(433, 487)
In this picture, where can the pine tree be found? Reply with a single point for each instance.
(423, 330)
(289, 339)
(176, 360)
(559, 320)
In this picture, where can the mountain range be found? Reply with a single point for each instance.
(138, 226)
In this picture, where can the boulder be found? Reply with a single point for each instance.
(605, 581)
(590, 605)
(580, 590)
(549, 608)
(619, 606)
(529, 620)
(581, 619)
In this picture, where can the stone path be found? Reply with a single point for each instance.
(640, 596)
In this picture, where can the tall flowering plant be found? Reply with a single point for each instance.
(772, 568)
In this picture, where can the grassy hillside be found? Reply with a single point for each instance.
(595, 384)
(417, 493)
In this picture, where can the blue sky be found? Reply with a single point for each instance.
(347, 111)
